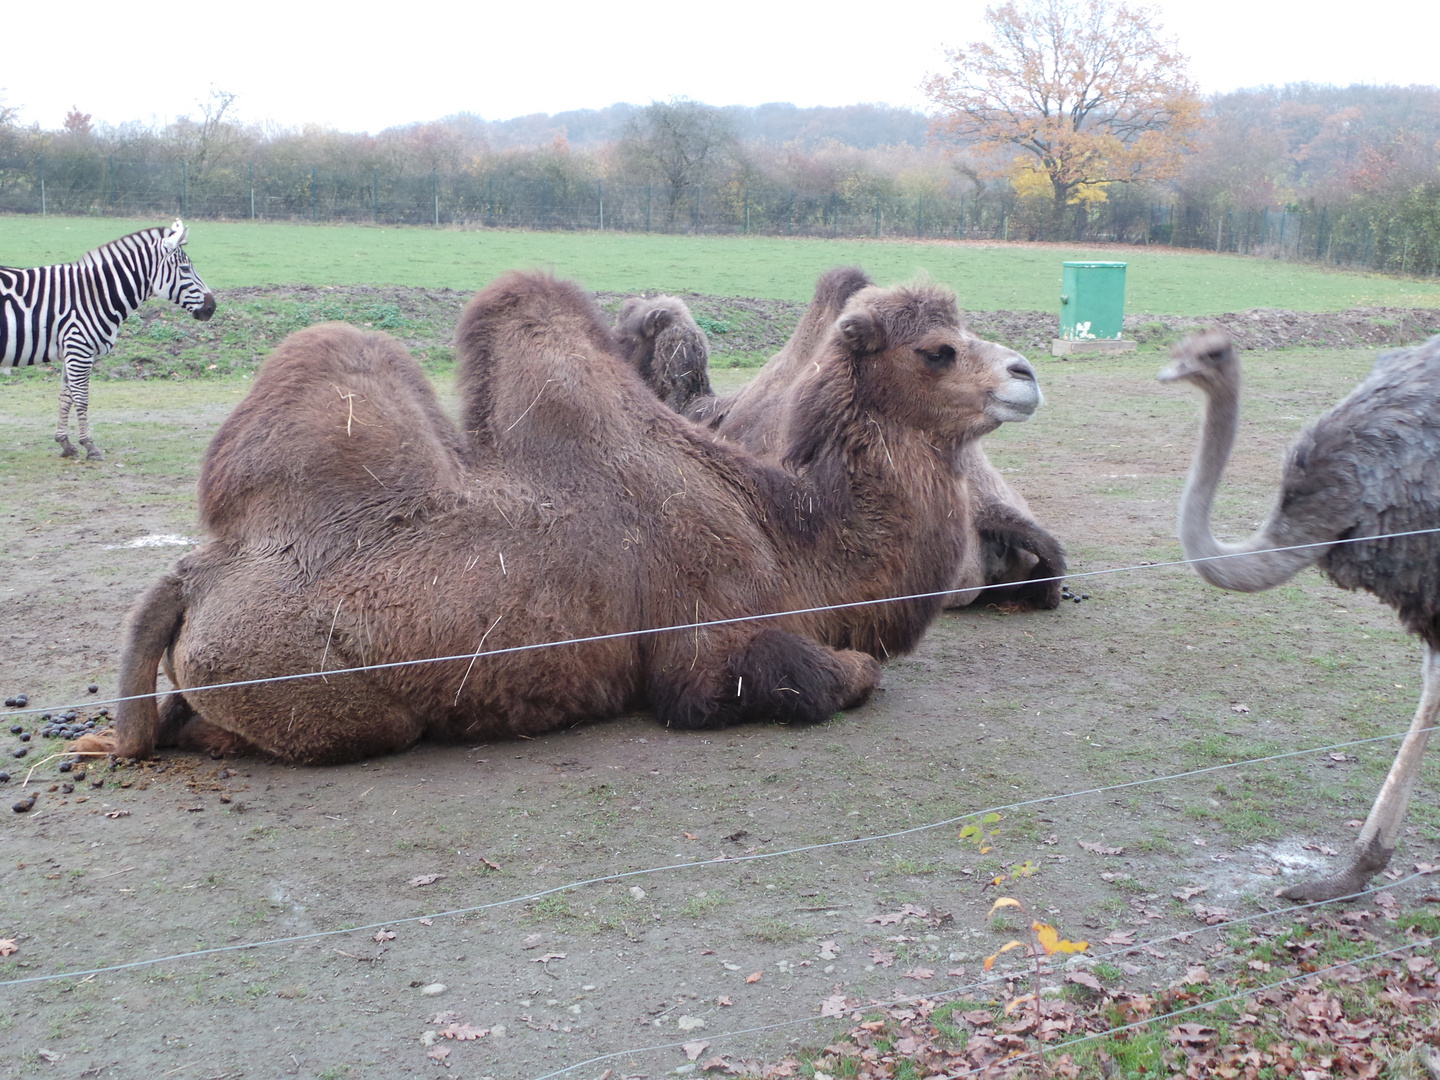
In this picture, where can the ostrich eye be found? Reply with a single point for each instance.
(938, 359)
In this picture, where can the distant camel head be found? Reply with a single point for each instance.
(666, 346)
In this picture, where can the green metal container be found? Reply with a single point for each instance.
(1092, 301)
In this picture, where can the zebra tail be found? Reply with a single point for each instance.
(150, 630)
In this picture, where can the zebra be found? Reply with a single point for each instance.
(72, 312)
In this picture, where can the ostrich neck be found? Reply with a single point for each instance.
(1247, 566)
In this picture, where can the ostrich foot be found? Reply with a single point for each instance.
(1368, 862)
(67, 448)
(92, 452)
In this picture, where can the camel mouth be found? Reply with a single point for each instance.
(1014, 410)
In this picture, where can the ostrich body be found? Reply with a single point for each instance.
(1368, 467)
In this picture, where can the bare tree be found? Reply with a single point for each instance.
(1076, 94)
(679, 141)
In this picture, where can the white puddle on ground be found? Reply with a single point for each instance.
(154, 540)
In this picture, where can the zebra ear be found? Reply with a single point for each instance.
(176, 237)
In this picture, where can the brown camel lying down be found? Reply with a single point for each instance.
(351, 524)
(1003, 544)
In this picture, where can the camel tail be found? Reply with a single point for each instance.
(150, 629)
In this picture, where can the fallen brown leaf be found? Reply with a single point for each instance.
(491, 865)
(833, 1005)
(919, 973)
(693, 1050)
(1100, 849)
(425, 879)
(384, 935)
(724, 1000)
(1119, 937)
(8, 946)
(1190, 891)
(1084, 978)
(464, 1032)
(754, 978)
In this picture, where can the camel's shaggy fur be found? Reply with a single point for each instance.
(661, 339)
(1006, 556)
(351, 524)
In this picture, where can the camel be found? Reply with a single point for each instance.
(669, 350)
(351, 524)
(1004, 546)
(1369, 466)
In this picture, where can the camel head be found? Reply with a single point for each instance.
(915, 361)
(1206, 359)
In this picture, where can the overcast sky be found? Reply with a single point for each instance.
(362, 67)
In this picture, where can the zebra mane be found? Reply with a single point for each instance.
(115, 249)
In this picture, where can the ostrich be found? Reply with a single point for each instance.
(1370, 466)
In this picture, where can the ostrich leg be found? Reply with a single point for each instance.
(1377, 839)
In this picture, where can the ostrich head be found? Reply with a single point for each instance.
(1206, 359)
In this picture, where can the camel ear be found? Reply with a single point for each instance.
(861, 331)
(656, 319)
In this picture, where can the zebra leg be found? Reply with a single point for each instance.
(78, 372)
(62, 428)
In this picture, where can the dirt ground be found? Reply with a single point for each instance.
(391, 901)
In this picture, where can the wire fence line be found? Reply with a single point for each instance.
(725, 861)
(700, 625)
(1392, 238)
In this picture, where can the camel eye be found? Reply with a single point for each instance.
(938, 359)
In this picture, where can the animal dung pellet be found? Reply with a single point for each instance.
(16, 729)
(4, 777)
(25, 736)
(21, 752)
(23, 805)
(65, 766)
(93, 688)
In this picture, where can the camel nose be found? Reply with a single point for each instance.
(1020, 368)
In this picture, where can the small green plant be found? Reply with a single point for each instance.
(711, 326)
(1044, 939)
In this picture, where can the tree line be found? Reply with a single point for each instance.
(1073, 120)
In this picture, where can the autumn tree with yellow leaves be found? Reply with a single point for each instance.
(1068, 97)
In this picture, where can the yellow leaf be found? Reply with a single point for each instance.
(1017, 1003)
(1004, 901)
(990, 960)
(1049, 939)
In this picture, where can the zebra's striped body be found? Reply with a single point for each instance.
(71, 313)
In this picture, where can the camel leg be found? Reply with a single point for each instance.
(775, 675)
(1377, 839)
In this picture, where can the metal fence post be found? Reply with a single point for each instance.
(544, 192)
(790, 215)
(41, 162)
(375, 191)
(490, 212)
(184, 188)
(600, 206)
(877, 215)
(252, 191)
(649, 193)
(435, 193)
(747, 209)
(314, 197)
(112, 179)
(697, 209)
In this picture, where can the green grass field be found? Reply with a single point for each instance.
(987, 277)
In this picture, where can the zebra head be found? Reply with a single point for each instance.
(176, 279)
